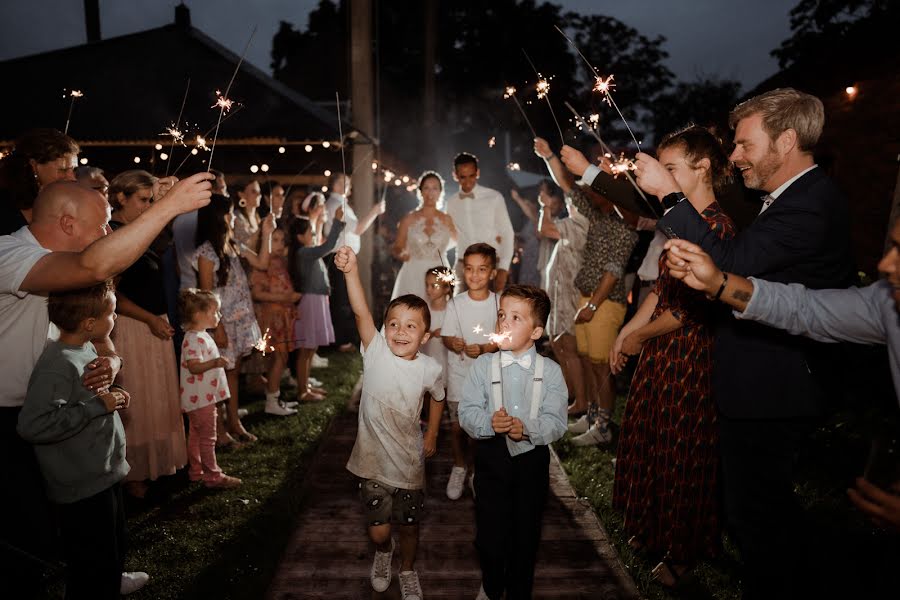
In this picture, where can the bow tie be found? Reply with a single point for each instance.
(463, 196)
(523, 361)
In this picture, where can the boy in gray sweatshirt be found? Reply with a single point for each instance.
(79, 442)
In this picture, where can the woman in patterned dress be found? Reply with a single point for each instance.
(218, 265)
(667, 461)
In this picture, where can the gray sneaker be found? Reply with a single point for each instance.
(580, 426)
(409, 585)
(593, 437)
(381, 569)
(456, 482)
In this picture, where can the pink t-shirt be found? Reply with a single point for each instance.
(201, 389)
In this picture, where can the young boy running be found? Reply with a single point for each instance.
(389, 452)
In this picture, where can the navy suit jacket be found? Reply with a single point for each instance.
(804, 237)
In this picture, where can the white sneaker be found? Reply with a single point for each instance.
(132, 581)
(314, 382)
(580, 426)
(381, 569)
(455, 484)
(290, 404)
(481, 595)
(274, 407)
(318, 362)
(409, 585)
(593, 437)
(242, 412)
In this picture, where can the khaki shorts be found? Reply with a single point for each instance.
(596, 337)
(384, 502)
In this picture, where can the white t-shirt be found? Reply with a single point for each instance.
(471, 314)
(24, 323)
(389, 444)
(348, 236)
(434, 347)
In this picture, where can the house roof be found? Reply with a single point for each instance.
(133, 87)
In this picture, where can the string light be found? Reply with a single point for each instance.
(163, 156)
(327, 173)
(280, 149)
(264, 168)
(137, 160)
(158, 146)
(83, 161)
(326, 144)
(308, 148)
(254, 169)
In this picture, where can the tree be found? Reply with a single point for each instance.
(705, 102)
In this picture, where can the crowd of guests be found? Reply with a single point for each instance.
(183, 281)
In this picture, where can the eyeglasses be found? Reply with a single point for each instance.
(103, 189)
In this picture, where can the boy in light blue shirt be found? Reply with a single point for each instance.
(514, 404)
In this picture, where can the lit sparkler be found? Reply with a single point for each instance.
(543, 93)
(177, 134)
(223, 102)
(499, 337)
(337, 104)
(72, 95)
(492, 142)
(514, 166)
(263, 345)
(478, 329)
(448, 277)
(510, 92)
(201, 143)
(621, 165)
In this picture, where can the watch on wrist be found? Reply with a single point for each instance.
(670, 200)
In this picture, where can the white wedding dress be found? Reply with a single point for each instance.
(426, 245)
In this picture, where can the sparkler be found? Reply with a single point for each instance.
(510, 92)
(337, 104)
(514, 166)
(72, 95)
(605, 148)
(543, 93)
(604, 86)
(177, 135)
(492, 142)
(203, 137)
(223, 102)
(263, 343)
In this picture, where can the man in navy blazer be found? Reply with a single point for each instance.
(768, 384)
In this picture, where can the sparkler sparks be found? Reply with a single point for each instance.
(499, 338)
(543, 93)
(510, 92)
(542, 87)
(71, 95)
(514, 166)
(222, 102)
(448, 278)
(477, 329)
(177, 134)
(492, 142)
(604, 87)
(201, 143)
(76, 94)
(621, 165)
(594, 120)
(262, 344)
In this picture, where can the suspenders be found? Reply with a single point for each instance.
(497, 384)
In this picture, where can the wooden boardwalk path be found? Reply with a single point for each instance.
(329, 555)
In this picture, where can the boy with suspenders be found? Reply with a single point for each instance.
(514, 404)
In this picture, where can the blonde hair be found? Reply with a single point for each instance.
(194, 300)
(783, 109)
(129, 182)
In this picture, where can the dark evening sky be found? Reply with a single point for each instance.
(726, 38)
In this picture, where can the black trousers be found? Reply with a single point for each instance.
(510, 495)
(342, 318)
(93, 532)
(762, 512)
(27, 534)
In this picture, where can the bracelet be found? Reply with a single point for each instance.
(592, 306)
(721, 287)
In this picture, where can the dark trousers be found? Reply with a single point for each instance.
(342, 318)
(761, 509)
(93, 532)
(510, 495)
(27, 539)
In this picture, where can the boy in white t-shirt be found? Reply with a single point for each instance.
(389, 452)
(469, 318)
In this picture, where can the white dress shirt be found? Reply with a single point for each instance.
(483, 218)
(348, 236)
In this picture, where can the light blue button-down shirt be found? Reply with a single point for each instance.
(476, 407)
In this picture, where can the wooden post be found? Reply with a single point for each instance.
(362, 97)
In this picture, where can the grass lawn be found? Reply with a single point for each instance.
(198, 543)
(854, 559)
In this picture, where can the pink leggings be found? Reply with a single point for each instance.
(201, 445)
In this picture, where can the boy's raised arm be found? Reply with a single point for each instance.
(345, 260)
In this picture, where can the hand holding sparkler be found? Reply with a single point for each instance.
(574, 160)
(516, 430)
(501, 422)
(652, 177)
(542, 148)
(188, 194)
(162, 187)
(345, 259)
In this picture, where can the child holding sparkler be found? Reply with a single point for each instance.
(313, 327)
(438, 287)
(79, 442)
(274, 301)
(389, 452)
(514, 404)
(203, 384)
(218, 265)
(470, 317)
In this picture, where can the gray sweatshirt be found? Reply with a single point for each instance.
(863, 315)
(79, 446)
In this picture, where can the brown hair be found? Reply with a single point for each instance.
(465, 158)
(698, 143)
(68, 309)
(41, 145)
(783, 109)
(484, 250)
(413, 302)
(194, 300)
(535, 297)
(128, 183)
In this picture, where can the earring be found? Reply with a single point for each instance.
(242, 203)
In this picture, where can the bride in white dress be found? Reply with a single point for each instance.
(423, 237)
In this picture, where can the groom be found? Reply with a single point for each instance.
(480, 215)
